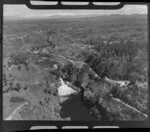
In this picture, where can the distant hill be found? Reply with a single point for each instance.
(101, 18)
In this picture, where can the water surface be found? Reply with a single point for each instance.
(76, 110)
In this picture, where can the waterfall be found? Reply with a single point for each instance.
(65, 90)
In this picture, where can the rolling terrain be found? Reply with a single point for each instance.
(91, 68)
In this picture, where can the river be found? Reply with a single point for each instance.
(76, 110)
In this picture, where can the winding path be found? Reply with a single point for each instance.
(15, 112)
(134, 109)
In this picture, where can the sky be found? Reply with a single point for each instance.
(22, 11)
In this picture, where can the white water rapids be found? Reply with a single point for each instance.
(65, 90)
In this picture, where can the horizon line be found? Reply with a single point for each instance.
(67, 16)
